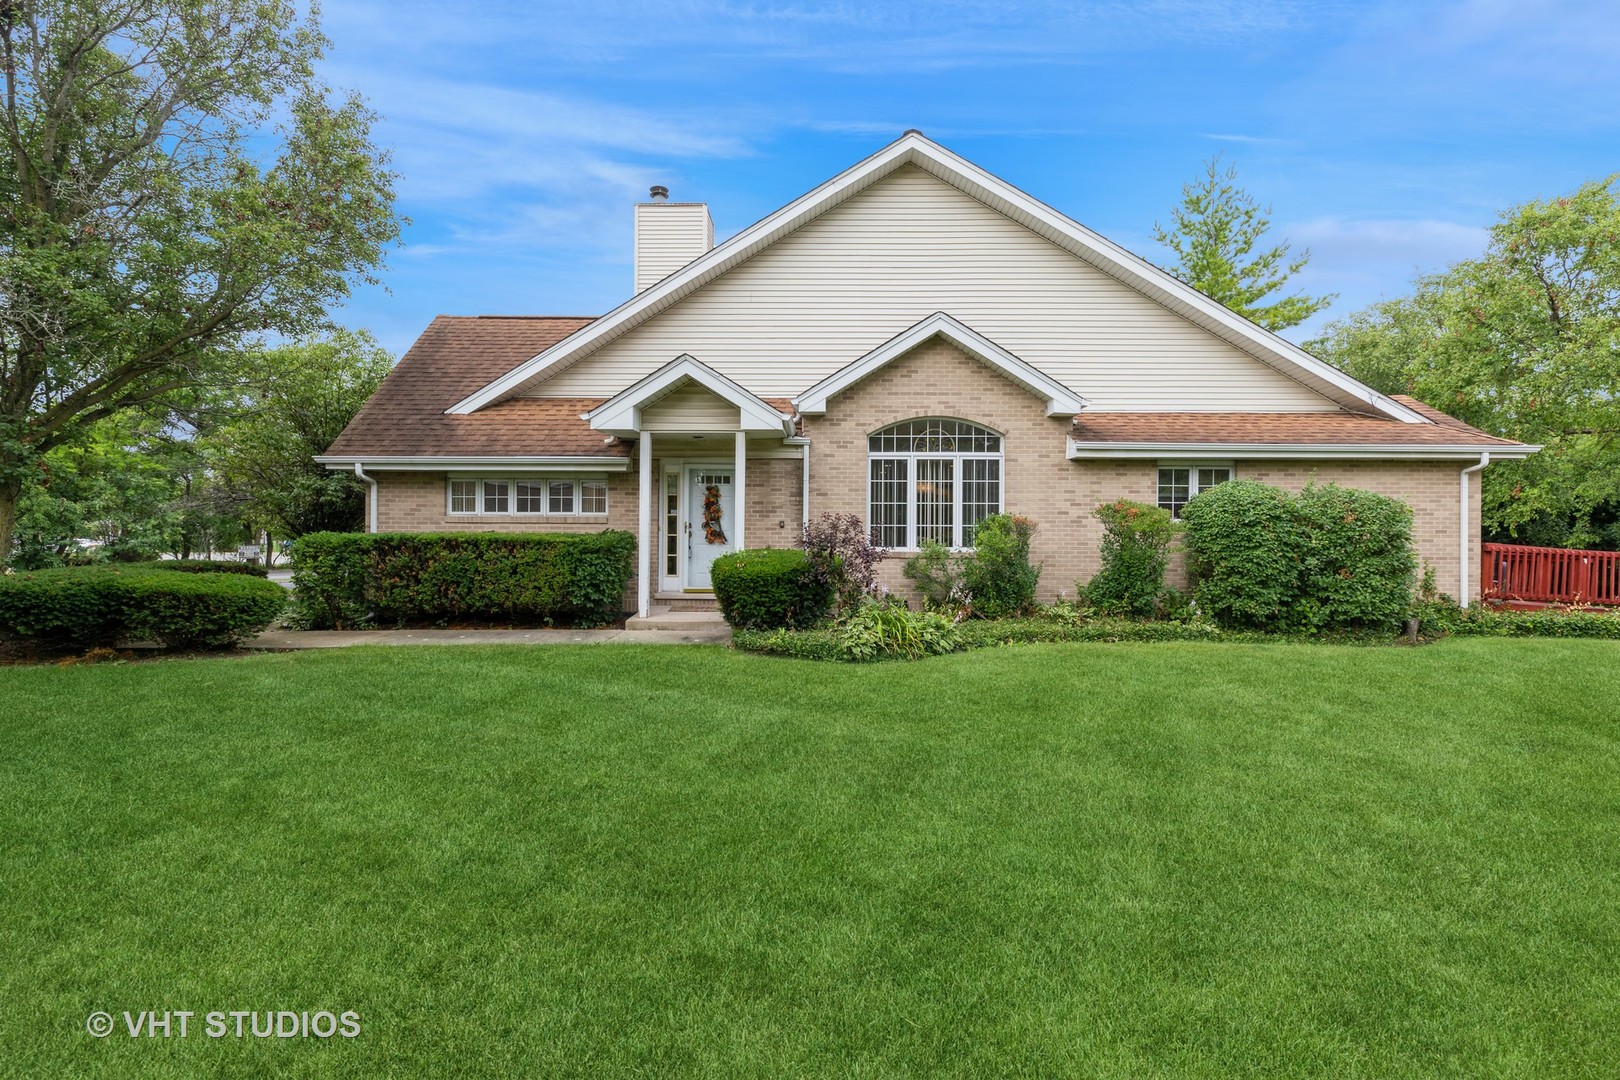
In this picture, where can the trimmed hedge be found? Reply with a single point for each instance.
(349, 580)
(211, 566)
(770, 588)
(1330, 558)
(1480, 621)
(104, 606)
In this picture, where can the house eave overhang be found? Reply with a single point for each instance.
(913, 148)
(1060, 400)
(621, 414)
(1080, 451)
(462, 463)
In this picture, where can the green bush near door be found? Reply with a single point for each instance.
(770, 588)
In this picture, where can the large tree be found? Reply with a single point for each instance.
(289, 404)
(1216, 233)
(1523, 341)
(174, 182)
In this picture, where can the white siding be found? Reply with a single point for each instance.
(691, 408)
(668, 236)
(911, 245)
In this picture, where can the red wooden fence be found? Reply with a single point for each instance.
(1550, 575)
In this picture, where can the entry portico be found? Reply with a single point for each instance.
(676, 416)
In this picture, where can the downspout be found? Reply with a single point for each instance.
(371, 500)
(1466, 550)
(804, 474)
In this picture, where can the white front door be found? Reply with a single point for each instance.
(709, 524)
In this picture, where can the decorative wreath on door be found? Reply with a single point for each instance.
(711, 516)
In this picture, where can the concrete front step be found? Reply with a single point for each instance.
(687, 601)
(661, 617)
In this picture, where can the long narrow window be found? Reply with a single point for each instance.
(507, 496)
(932, 480)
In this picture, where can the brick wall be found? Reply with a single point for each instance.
(937, 379)
(416, 502)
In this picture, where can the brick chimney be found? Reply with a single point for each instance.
(669, 235)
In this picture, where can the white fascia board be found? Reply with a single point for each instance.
(452, 463)
(1060, 400)
(621, 414)
(914, 148)
(1252, 451)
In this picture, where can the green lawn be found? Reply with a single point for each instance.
(1150, 860)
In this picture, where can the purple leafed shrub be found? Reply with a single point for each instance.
(842, 555)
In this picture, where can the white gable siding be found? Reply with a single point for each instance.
(911, 245)
(690, 408)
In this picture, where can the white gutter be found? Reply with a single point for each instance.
(371, 499)
(1259, 451)
(446, 463)
(1464, 548)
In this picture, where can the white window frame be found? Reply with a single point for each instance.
(542, 482)
(1193, 487)
(957, 457)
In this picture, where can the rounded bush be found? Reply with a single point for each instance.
(1242, 548)
(769, 588)
(105, 606)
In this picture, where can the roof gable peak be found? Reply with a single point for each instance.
(913, 148)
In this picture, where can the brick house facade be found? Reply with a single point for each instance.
(914, 342)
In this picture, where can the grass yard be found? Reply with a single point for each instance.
(1117, 861)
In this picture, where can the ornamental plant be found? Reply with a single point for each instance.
(843, 558)
(998, 576)
(1135, 553)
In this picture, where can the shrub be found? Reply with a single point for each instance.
(842, 556)
(1135, 553)
(212, 566)
(1331, 558)
(1440, 617)
(345, 580)
(877, 630)
(103, 606)
(997, 575)
(200, 610)
(1241, 545)
(935, 573)
(1356, 565)
(767, 588)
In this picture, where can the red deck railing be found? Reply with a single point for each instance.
(1550, 575)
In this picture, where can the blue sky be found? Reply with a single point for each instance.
(1386, 136)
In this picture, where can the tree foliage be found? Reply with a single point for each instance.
(287, 406)
(174, 182)
(1215, 233)
(1524, 342)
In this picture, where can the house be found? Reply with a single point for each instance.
(915, 341)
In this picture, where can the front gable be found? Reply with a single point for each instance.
(916, 229)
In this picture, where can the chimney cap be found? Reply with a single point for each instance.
(659, 193)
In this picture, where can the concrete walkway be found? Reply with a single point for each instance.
(279, 640)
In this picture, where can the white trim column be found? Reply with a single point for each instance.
(740, 491)
(644, 545)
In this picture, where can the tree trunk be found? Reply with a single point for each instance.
(10, 492)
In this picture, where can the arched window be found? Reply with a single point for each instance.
(932, 480)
